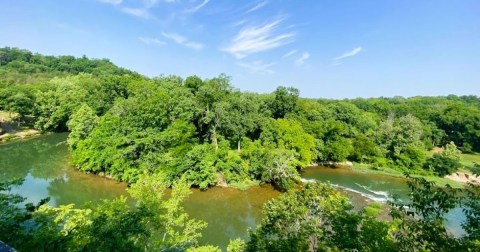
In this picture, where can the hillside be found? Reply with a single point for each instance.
(19, 66)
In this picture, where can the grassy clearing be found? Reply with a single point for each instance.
(365, 168)
(443, 181)
(12, 130)
(8, 123)
(4, 114)
(5, 117)
(470, 159)
(243, 186)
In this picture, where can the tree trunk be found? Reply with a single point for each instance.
(214, 138)
(238, 146)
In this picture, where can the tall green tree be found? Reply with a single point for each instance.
(212, 98)
(81, 124)
(284, 101)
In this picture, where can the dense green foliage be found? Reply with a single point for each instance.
(442, 165)
(123, 124)
(446, 162)
(156, 223)
(318, 218)
(22, 66)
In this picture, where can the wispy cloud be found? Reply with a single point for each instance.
(181, 40)
(257, 67)
(141, 10)
(238, 23)
(257, 6)
(137, 12)
(151, 3)
(336, 63)
(112, 2)
(286, 55)
(66, 27)
(301, 60)
(198, 7)
(152, 41)
(348, 54)
(254, 39)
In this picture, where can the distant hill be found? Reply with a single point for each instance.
(22, 66)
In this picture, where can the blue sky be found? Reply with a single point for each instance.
(332, 49)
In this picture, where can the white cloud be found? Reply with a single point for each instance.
(257, 6)
(238, 23)
(300, 61)
(183, 41)
(152, 41)
(254, 39)
(137, 12)
(112, 2)
(257, 67)
(198, 7)
(286, 55)
(350, 53)
(141, 9)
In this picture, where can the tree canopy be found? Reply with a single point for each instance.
(123, 124)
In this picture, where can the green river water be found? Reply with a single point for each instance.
(45, 164)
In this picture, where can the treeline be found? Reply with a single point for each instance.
(208, 132)
(315, 217)
(22, 66)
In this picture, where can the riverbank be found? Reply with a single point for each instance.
(453, 181)
(385, 171)
(464, 177)
(11, 130)
(18, 135)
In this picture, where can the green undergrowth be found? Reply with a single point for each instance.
(470, 159)
(244, 185)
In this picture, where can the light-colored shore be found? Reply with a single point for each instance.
(10, 130)
(464, 177)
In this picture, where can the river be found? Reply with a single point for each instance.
(45, 164)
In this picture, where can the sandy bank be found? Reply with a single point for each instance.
(463, 177)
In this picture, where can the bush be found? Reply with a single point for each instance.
(442, 165)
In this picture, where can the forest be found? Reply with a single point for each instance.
(169, 132)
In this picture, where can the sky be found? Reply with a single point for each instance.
(326, 49)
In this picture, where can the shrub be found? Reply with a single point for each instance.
(442, 165)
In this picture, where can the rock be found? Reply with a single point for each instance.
(221, 181)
